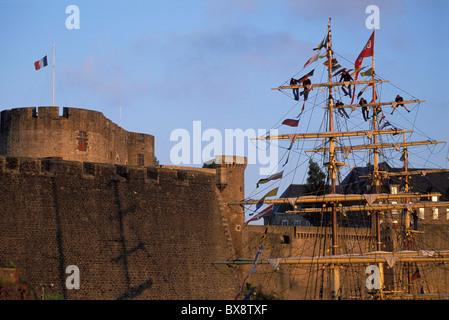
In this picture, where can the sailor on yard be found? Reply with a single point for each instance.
(293, 82)
(345, 76)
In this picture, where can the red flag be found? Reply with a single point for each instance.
(302, 79)
(291, 122)
(416, 275)
(265, 212)
(367, 51)
(313, 59)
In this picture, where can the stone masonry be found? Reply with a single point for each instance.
(77, 134)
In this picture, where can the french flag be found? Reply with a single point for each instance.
(40, 63)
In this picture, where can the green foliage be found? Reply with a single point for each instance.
(316, 183)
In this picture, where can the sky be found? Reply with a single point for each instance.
(158, 66)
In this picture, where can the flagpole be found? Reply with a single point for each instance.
(376, 173)
(376, 152)
(53, 74)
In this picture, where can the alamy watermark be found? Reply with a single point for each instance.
(73, 280)
(373, 20)
(373, 280)
(190, 147)
(73, 20)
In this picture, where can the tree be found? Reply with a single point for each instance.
(316, 185)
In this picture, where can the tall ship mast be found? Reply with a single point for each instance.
(336, 199)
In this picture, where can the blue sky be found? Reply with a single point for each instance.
(172, 62)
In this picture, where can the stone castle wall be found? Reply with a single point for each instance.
(41, 132)
(133, 232)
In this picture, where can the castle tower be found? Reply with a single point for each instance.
(230, 174)
(77, 135)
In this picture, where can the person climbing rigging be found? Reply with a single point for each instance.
(365, 109)
(294, 82)
(307, 86)
(341, 111)
(344, 77)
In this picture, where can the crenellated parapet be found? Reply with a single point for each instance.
(56, 167)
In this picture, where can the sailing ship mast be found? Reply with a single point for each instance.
(332, 168)
(332, 202)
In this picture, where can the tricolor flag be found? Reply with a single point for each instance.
(270, 178)
(291, 122)
(302, 79)
(265, 212)
(40, 63)
(313, 59)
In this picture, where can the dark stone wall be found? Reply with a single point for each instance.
(133, 232)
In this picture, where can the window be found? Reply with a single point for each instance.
(434, 198)
(284, 222)
(82, 141)
(447, 213)
(140, 159)
(393, 189)
(297, 223)
(421, 213)
(435, 213)
(394, 211)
